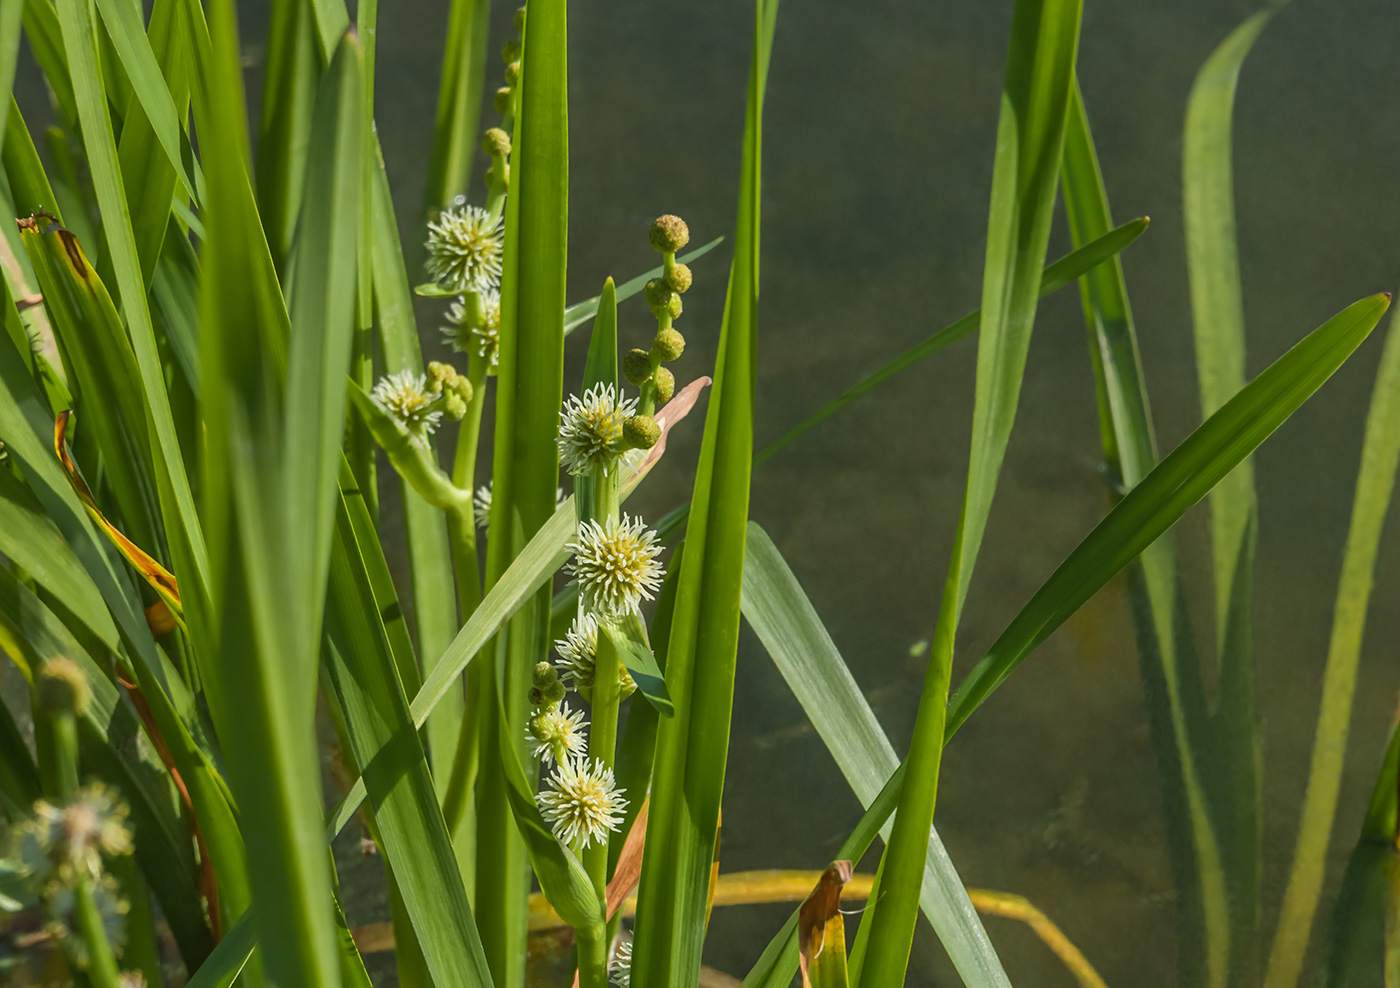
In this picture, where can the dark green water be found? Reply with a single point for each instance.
(879, 135)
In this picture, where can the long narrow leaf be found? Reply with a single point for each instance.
(692, 746)
(1185, 476)
(1375, 485)
(797, 642)
(1030, 139)
(1170, 674)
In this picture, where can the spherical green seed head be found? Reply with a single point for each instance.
(454, 406)
(658, 295)
(496, 143)
(501, 101)
(680, 278)
(674, 307)
(513, 73)
(641, 432)
(63, 688)
(669, 234)
(510, 51)
(669, 344)
(520, 18)
(636, 366)
(665, 383)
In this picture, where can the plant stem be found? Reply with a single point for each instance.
(102, 965)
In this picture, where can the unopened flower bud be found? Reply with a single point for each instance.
(501, 101)
(641, 432)
(510, 51)
(455, 407)
(658, 294)
(438, 375)
(496, 143)
(669, 344)
(63, 688)
(636, 366)
(513, 73)
(544, 674)
(665, 384)
(461, 387)
(669, 234)
(546, 690)
(680, 278)
(520, 18)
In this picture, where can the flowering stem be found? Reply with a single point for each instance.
(102, 965)
(461, 533)
(592, 943)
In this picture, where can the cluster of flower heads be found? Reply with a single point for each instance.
(61, 847)
(418, 401)
(582, 802)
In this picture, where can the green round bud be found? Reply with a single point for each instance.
(520, 18)
(496, 143)
(665, 384)
(501, 101)
(454, 406)
(669, 344)
(636, 366)
(62, 688)
(513, 73)
(680, 278)
(641, 431)
(674, 308)
(440, 374)
(544, 674)
(669, 234)
(659, 295)
(510, 51)
(461, 387)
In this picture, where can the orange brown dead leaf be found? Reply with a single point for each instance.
(162, 581)
(822, 909)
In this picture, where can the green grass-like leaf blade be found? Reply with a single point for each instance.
(1030, 139)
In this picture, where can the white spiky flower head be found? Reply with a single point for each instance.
(578, 658)
(481, 505)
(557, 733)
(590, 429)
(464, 249)
(616, 566)
(466, 335)
(60, 842)
(406, 397)
(582, 802)
(620, 967)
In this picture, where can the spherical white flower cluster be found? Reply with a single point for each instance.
(465, 336)
(582, 802)
(465, 245)
(590, 429)
(406, 397)
(616, 565)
